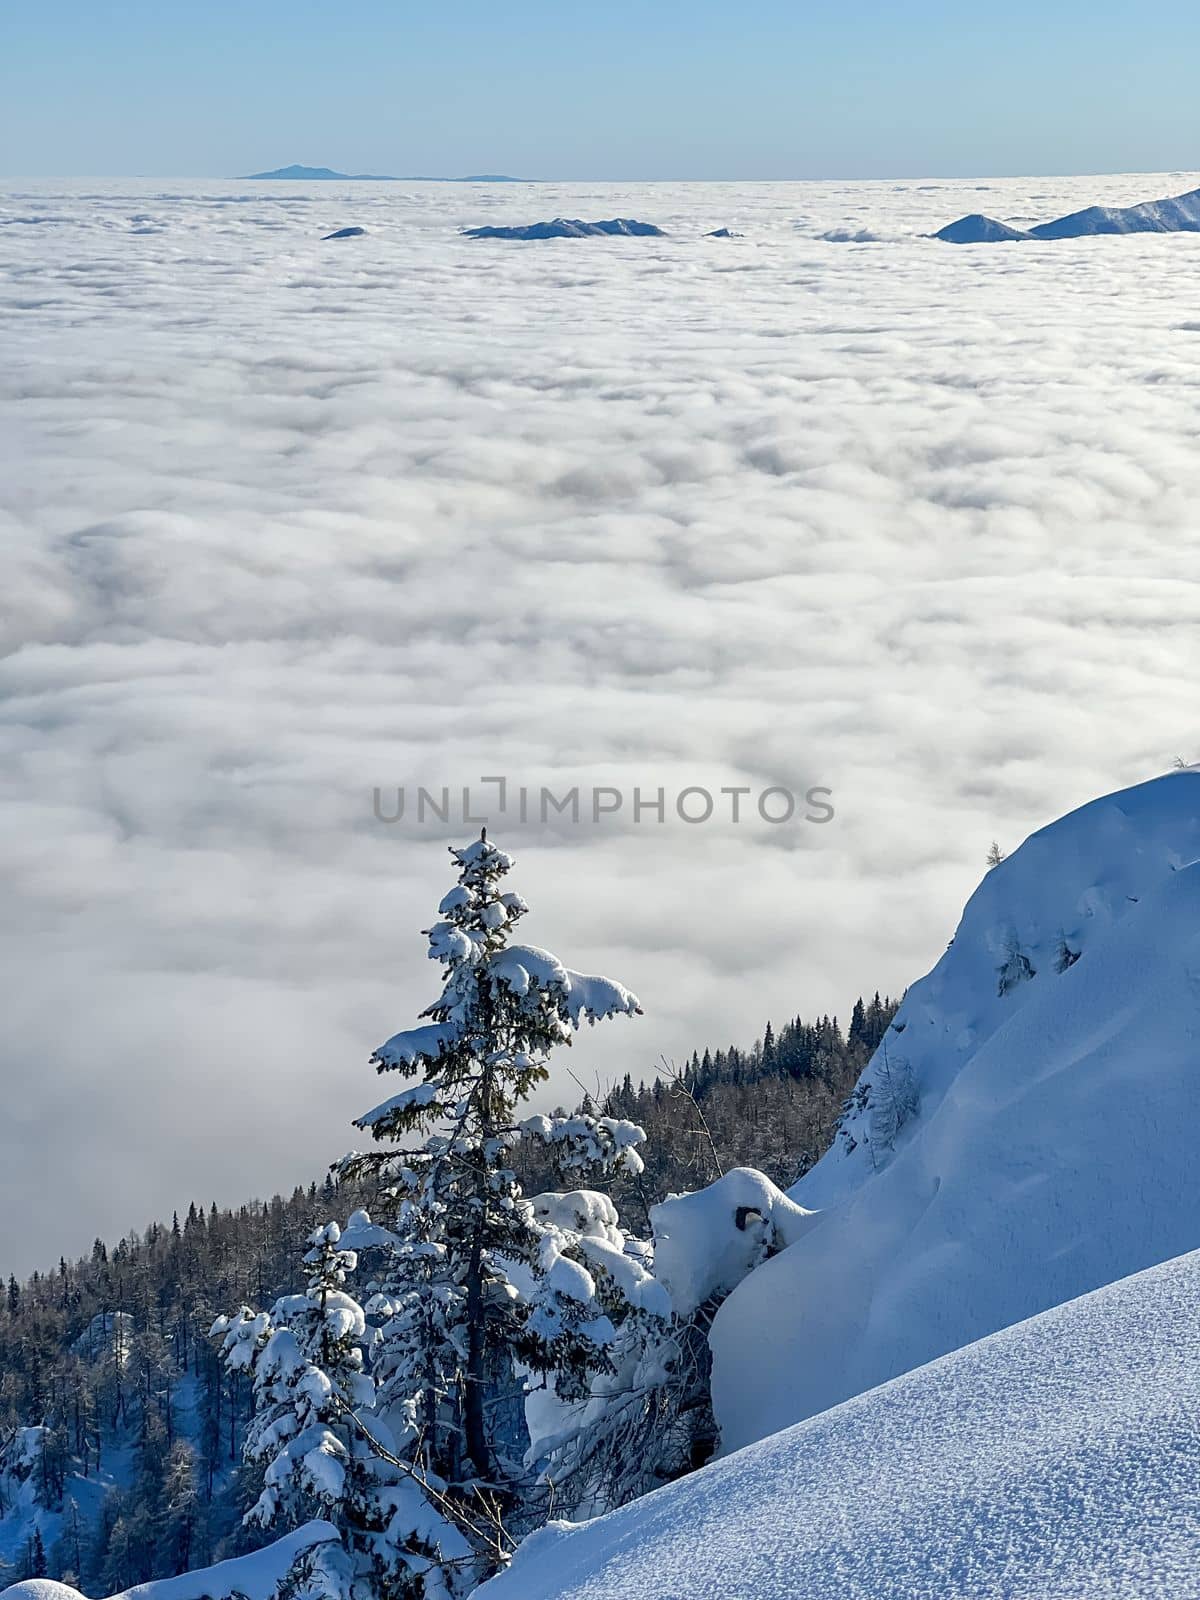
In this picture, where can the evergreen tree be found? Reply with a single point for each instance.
(767, 1052)
(120, 1569)
(503, 1007)
(67, 1556)
(35, 1556)
(457, 1321)
(323, 1454)
(307, 1362)
(858, 1023)
(179, 1535)
(894, 1099)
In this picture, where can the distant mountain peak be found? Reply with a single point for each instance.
(299, 174)
(978, 229)
(320, 174)
(568, 228)
(1179, 213)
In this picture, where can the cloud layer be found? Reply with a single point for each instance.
(286, 519)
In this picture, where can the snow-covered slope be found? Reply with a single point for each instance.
(1058, 1460)
(1051, 1133)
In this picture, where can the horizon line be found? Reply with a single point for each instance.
(910, 177)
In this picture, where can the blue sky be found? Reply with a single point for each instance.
(668, 90)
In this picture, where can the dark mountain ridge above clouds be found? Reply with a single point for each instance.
(978, 229)
(1177, 214)
(300, 174)
(569, 228)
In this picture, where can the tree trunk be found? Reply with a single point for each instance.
(476, 1436)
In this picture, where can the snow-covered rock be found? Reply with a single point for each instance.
(1053, 1057)
(1058, 1460)
(108, 1334)
(21, 1454)
(705, 1243)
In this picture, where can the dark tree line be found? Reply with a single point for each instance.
(774, 1106)
(105, 1364)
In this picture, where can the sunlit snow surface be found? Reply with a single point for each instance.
(1054, 1149)
(285, 519)
(1058, 1460)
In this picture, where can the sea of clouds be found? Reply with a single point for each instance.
(284, 520)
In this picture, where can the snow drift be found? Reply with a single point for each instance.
(1025, 1133)
(1054, 1460)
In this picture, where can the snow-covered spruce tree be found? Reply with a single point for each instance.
(323, 1452)
(35, 1556)
(320, 1457)
(606, 1360)
(894, 1099)
(306, 1359)
(589, 1277)
(468, 1269)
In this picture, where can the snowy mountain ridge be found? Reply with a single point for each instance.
(1044, 1144)
(1178, 213)
(1031, 918)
